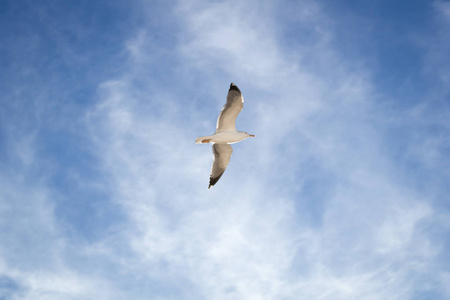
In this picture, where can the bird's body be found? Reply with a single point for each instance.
(226, 134)
(223, 137)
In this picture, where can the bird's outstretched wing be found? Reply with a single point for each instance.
(231, 109)
(221, 155)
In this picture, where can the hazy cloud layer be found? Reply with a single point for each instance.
(342, 194)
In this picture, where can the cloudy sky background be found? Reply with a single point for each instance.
(343, 194)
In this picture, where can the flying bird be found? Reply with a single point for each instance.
(225, 135)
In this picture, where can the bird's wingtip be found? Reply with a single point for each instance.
(234, 87)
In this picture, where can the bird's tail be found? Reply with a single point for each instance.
(202, 140)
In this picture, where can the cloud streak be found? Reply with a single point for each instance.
(319, 205)
(240, 245)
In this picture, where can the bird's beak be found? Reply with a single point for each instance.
(252, 135)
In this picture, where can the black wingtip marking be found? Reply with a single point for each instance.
(233, 87)
(213, 181)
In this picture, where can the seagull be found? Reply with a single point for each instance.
(225, 135)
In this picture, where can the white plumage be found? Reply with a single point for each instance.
(226, 134)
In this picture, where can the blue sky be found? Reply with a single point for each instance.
(343, 194)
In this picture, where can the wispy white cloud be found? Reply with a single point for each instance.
(314, 207)
(34, 245)
(252, 241)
